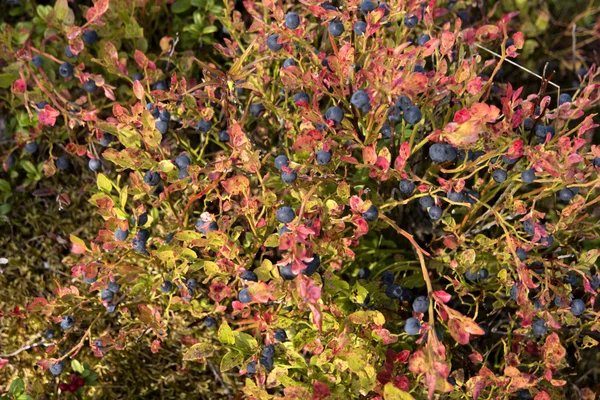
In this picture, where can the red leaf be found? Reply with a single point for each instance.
(402, 356)
(442, 296)
(320, 391)
(3, 362)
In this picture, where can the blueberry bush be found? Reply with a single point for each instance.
(299, 199)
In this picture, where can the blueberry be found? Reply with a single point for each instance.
(249, 276)
(527, 124)
(224, 137)
(191, 283)
(89, 281)
(106, 139)
(69, 53)
(523, 394)
(335, 114)
(90, 86)
(388, 278)
(285, 214)
(182, 161)
(393, 291)
(435, 213)
(257, 109)
(210, 322)
(509, 161)
(385, 7)
(67, 323)
(423, 39)
(62, 163)
(37, 61)
(121, 234)
(284, 229)
(336, 28)
(472, 197)
(281, 161)
(364, 273)
(244, 296)
(547, 241)
(267, 363)
(529, 227)
(107, 295)
(595, 282)
(451, 381)
(403, 102)
(162, 126)
(360, 28)
(312, 265)
(141, 221)
(360, 99)
(269, 351)
(371, 214)
(393, 114)
(114, 286)
(406, 187)
(596, 162)
(41, 105)
(272, 42)
(152, 178)
(57, 368)
(407, 295)
(289, 177)
(292, 20)
(301, 97)
(206, 226)
(289, 62)
(472, 276)
(323, 157)
(139, 246)
(437, 152)
(483, 274)
(153, 110)
(412, 115)
(540, 131)
(566, 194)
(90, 37)
(164, 115)
(421, 304)
(426, 201)
(31, 147)
(65, 70)
(366, 7)
(565, 98)
(577, 307)
(521, 253)
(499, 175)
(513, 292)
(204, 126)
(137, 77)
(166, 286)
(539, 327)
(412, 326)
(251, 368)
(386, 131)
(411, 21)
(280, 335)
(286, 272)
(457, 197)
(160, 85)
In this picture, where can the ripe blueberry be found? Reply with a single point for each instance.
(364, 273)
(121, 234)
(37, 61)
(565, 98)
(257, 109)
(412, 115)
(412, 326)
(162, 126)
(204, 126)
(393, 291)
(539, 327)
(210, 322)
(90, 86)
(249, 276)
(182, 161)
(435, 213)
(438, 152)
(69, 53)
(94, 164)
(289, 177)
(406, 186)
(285, 214)
(323, 157)
(420, 304)
(403, 102)
(336, 28)
(166, 286)
(371, 214)
(423, 39)
(312, 265)
(90, 37)
(67, 323)
(286, 272)
(280, 335)
(65, 70)
(62, 163)
(366, 7)
(151, 178)
(301, 97)
(272, 42)
(577, 307)
(289, 62)
(335, 114)
(388, 278)
(360, 28)
(281, 161)
(426, 201)
(499, 175)
(292, 20)
(411, 21)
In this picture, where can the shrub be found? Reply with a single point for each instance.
(241, 191)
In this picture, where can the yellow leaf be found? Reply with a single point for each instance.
(391, 392)
(198, 351)
(226, 334)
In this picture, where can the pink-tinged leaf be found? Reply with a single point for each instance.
(155, 346)
(441, 296)
(48, 115)
(554, 352)
(37, 304)
(457, 332)
(386, 337)
(476, 358)
(320, 391)
(238, 184)
(488, 33)
(402, 356)
(587, 124)
(447, 42)
(141, 59)
(474, 85)
(73, 31)
(462, 116)
(138, 90)
(3, 362)
(19, 86)
(369, 155)
(95, 13)
(542, 396)
(519, 40)
(317, 317)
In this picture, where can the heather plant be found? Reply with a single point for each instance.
(339, 201)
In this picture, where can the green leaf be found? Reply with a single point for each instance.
(6, 80)
(198, 351)
(29, 167)
(364, 317)
(226, 334)
(104, 183)
(231, 360)
(181, 6)
(391, 392)
(76, 366)
(4, 186)
(17, 387)
(61, 9)
(209, 29)
(244, 342)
